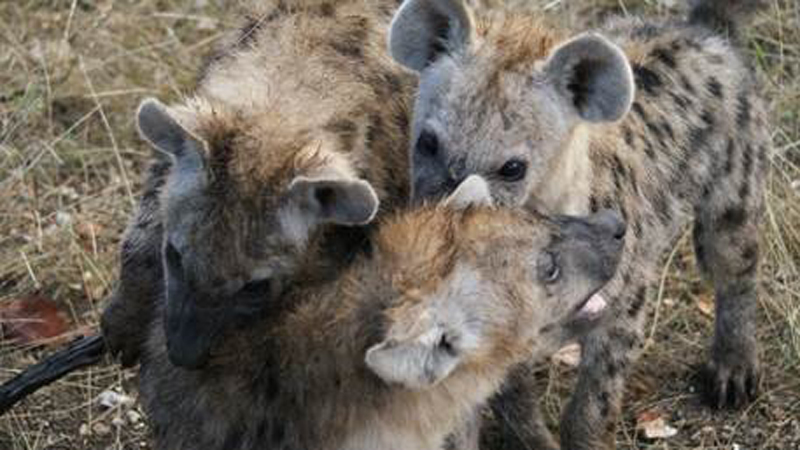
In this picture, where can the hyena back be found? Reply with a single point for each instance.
(394, 352)
(294, 138)
(659, 121)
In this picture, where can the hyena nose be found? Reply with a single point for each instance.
(610, 222)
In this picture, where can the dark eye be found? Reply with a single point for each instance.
(513, 170)
(427, 144)
(257, 287)
(549, 271)
(173, 257)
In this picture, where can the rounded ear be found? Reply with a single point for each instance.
(473, 191)
(414, 363)
(158, 127)
(340, 201)
(423, 30)
(593, 76)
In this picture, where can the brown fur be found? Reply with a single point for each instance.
(303, 88)
(299, 380)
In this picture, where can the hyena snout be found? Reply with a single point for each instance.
(596, 243)
(190, 332)
(434, 184)
(434, 176)
(195, 318)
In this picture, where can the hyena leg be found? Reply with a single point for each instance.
(518, 423)
(125, 320)
(589, 420)
(726, 244)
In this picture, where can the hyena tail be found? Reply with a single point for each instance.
(723, 16)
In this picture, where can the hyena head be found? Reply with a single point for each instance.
(240, 206)
(477, 289)
(502, 96)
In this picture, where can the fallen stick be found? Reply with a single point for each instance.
(80, 353)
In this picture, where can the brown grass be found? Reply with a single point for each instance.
(71, 73)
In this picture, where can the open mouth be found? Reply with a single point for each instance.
(590, 309)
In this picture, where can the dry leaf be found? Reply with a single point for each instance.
(32, 320)
(88, 233)
(654, 426)
(705, 304)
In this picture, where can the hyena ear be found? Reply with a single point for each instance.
(344, 201)
(593, 76)
(423, 30)
(416, 363)
(158, 127)
(473, 191)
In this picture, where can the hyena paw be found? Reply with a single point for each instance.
(731, 382)
(119, 339)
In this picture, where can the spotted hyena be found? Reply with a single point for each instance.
(293, 140)
(392, 354)
(660, 121)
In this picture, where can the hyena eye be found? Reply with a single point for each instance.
(427, 144)
(513, 170)
(173, 257)
(548, 269)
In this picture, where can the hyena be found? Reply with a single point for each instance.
(393, 353)
(660, 121)
(295, 137)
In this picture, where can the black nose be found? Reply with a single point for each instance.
(433, 190)
(610, 222)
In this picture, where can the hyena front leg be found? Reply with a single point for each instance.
(726, 244)
(125, 320)
(589, 420)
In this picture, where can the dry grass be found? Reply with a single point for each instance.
(71, 73)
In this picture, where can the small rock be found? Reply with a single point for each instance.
(69, 192)
(134, 417)
(63, 218)
(111, 399)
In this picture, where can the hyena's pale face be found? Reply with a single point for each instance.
(506, 110)
(460, 129)
(481, 288)
(237, 225)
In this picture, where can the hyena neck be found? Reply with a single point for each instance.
(327, 338)
(567, 185)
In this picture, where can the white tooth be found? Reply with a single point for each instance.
(595, 304)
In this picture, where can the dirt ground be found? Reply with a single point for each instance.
(71, 75)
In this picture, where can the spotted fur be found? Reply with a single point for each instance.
(686, 143)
